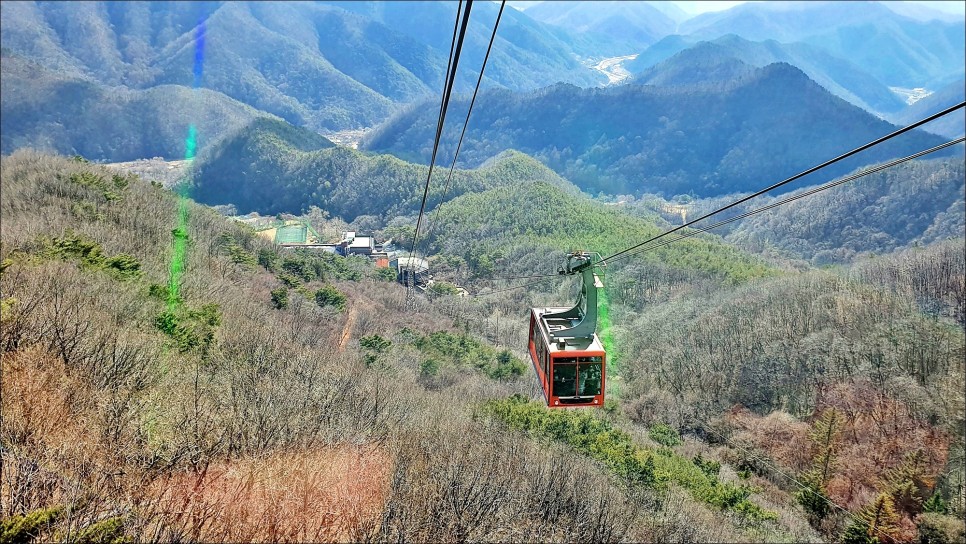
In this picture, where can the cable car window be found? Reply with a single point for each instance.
(564, 379)
(589, 378)
(545, 361)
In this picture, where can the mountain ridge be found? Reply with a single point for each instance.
(632, 139)
(342, 70)
(840, 77)
(72, 115)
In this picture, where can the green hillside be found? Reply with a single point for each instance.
(915, 203)
(272, 167)
(528, 226)
(295, 358)
(278, 371)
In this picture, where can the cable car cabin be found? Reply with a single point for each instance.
(569, 360)
(571, 372)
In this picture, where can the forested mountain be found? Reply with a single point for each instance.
(634, 25)
(897, 50)
(313, 64)
(249, 396)
(272, 167)
(822, 343)
(704, 65)
(840, 77)
(951, 126)
(43, 109)
(915, 203)
(525, 55)
(631, 139)
(524, 227)
(923, 12)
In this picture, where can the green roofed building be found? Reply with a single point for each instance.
(291, 234)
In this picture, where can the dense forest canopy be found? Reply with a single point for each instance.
(271, 167)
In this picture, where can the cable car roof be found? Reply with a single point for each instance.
(576, 344)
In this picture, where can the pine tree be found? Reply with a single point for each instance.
(909, 483)
(825, 434)
(882, 518)
(936, 504)
(858, 533)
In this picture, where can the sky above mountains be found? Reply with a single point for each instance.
(696, 7)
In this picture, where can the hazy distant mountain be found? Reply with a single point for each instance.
(141, 45)
(634, 24)
(920, 12)
(897, 50)
(703, 139)
(270, 166)
(313, 64)
(703, 65)
(72, 115)
(526, 54)
(840, 77)
(951, 126)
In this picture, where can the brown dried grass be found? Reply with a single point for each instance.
(43, 404)
(49, 425)
(329, 494)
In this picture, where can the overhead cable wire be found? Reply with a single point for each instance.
(793, 178)
(466, 121)
(812, 191)
(450, 79)
(694, 232)
(531, 284)
(526, 277)
(449, 58)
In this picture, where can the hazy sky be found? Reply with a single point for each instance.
(701, 6)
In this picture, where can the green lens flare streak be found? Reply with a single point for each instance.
(179, 248)
(180, 233)
(607, 338)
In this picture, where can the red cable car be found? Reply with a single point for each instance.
(567, 356)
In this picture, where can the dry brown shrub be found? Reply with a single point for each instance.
(61, 447)
(328, 494)
(40, 402)
(49, 430)
(779, 435)
(879, 434)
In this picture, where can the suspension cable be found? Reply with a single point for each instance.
(450, 79)
(538, 282)
(466, 121)
(793, 178)
(812, 191)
